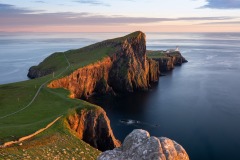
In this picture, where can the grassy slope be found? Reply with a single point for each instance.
(83, 56)
(49, 104)
(156, 54)
(55, 143)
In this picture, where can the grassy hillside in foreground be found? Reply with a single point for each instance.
(58, 142)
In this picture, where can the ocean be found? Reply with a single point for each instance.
(197, 104)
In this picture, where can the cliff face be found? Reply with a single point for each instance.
(84, 81)
(138, 145)
(130, 70)
(154, 71)
(93, 127)
(127, 70)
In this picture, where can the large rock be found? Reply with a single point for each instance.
(34, 72)
(93, 127)
(138, 145)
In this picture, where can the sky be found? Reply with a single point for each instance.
(119, 15)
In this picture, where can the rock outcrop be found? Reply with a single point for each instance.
(170, 60)
(34, 72)
(127, 70)
(138, 145)
(93, 127)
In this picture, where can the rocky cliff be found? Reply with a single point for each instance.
(127, 70)
(172, 59)
(93, 127)
(138, 145)
(167, 60)
(85, 81)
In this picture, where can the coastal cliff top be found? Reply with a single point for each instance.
(84, 56)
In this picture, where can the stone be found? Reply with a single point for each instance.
(33, 72)
(138, 145)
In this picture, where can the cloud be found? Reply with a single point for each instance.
(92, 2)
(222, 4)
(8, 10)
(217, 23)
(15, 17)
(202, 18)
(39, 1)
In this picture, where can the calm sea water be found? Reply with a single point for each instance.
(197, 105)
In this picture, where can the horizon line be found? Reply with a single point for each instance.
(122, 32)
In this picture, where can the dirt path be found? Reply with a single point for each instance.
(39, 89)
(29, 136)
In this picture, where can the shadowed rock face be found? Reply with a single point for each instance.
(93, 127)
(127, 70)
(35, 73)
(138, 145)
(168, 63)
(131, 68)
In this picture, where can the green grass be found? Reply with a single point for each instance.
(162, 54)
(54, 62)
(77, 58)
(82, 57)
(157, 54)
(48, 105)
(56, 142)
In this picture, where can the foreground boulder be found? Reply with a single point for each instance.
(138, 145)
